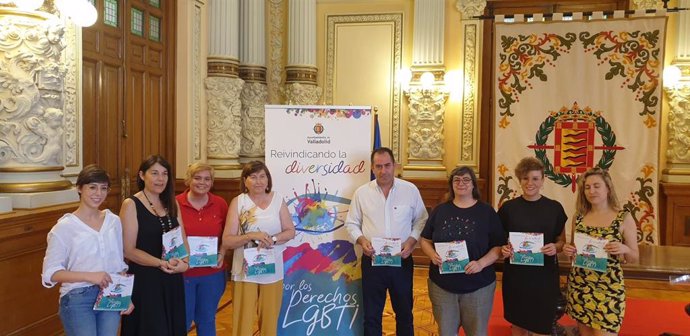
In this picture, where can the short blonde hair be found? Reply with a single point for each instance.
(195, 168)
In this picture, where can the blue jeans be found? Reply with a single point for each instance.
(79, 319)
(202, 294)
(471, 311)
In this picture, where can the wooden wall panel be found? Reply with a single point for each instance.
(675, 222)
(154, 99)
(31, 308)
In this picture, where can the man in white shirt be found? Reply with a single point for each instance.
(386, 208)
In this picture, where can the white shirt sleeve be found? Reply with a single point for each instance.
(54, 260)
(353, 222)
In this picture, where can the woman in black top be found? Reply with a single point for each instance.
(530, 293)
(158, 294)
(463, 299)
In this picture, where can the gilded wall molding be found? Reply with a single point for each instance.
(470, 8)
(396, 94)
(276, 12)
(223, 67)
(425, 126)
(469, 140)
(253, 97)
(197, 79)
(223, 120)
(253, 73)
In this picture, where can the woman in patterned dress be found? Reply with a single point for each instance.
(596, 300)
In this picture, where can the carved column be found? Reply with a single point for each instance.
(426, 106)
(678, 150)
(472, 35)
(253, 71)
(32, 117)
(223, 88)
(276, 47)
(300, 82)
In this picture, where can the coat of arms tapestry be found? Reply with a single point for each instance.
(576, 95)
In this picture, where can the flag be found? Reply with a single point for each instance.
(377, 139)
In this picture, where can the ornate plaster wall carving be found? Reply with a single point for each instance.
(276, 12)
(302, 94)
(254, 96)
(646, 4)
(71, 108)
(679, 124)
(425, 127)
(470, 8)
(396, 92)
(31, 106)
(223, 121)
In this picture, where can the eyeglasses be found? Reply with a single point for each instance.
(461, 180)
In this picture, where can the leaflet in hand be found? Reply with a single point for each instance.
(173, 244)
(204, 251)
(527, 248)
(590, 252)
(260, 261)
(386, 252)
(454, 256)
(118, 295)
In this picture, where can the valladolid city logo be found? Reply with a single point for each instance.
(574, 143)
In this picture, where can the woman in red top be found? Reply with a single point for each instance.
(203, 215)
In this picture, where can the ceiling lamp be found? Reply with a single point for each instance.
(81, 12)
(28, 5)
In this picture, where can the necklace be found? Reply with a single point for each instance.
(159, 217)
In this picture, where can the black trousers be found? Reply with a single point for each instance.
(376, 280)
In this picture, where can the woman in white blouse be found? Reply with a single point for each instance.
(84, 248)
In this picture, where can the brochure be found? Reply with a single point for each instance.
(260, 261)
(590, 252)
(204, 251)
(173, 244)
(118, 295)
(386, 252)
(454, 256)
(527, 248)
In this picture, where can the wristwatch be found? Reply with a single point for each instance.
(275, 239)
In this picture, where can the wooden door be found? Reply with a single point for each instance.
(128, 84)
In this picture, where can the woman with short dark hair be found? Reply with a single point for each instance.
(463, 299)
(84, 249)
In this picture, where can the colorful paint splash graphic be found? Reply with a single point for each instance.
(336, 258)
(329, 113)
(316, 212)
